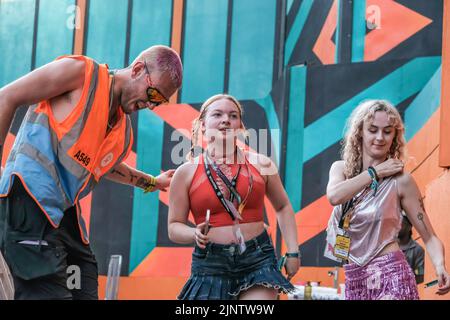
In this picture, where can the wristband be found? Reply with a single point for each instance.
(293, 255)
(374, 176)
(152, 184)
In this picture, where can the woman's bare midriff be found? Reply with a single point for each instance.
(225, 234)
(391, 247)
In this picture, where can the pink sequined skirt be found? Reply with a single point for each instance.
(388, 277)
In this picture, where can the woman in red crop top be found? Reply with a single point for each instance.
(234, 257)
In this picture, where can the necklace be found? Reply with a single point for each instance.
(111, 95)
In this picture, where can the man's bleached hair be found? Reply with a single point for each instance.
(163, 59)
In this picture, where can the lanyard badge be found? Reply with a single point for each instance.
(342, 246)
(239, 238)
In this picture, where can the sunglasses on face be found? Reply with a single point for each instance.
(154, 95)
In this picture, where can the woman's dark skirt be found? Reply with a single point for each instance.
(219, 272)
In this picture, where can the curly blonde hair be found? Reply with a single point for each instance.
(352, 143)
(196, 124)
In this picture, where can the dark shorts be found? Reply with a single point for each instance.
(60, 267)
(219, 272)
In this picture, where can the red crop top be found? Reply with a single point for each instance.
(202, 196)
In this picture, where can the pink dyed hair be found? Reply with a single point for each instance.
(163, 59)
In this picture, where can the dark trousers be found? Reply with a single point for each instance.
(45, 262)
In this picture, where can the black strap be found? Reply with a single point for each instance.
(350, 204)
(217, 191)
(230, 185)
(345, 209)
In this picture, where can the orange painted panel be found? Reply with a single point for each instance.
(179, 116)
(177, 26)
(437, 203)
(423, 143)
(79, 31)
(145, 288)
(324, 48)
(165, 262)
(444, 150)
(427, 172)
(396, 24)
(313, 219)
(167, 288)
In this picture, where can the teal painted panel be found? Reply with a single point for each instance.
(16, 39)
(56, 26)
(252, 48)
(296, 30)
(151, 24)
(289, 5)
(337, 32)
(274, 124)
(396, 87)
(423, 106)
(144, 225)
(107, 28)
(205, 34)
(358, 30)
(295, 128)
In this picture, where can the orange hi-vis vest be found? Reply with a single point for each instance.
(61, 162)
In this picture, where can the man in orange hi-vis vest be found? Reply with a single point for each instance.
(76, 131)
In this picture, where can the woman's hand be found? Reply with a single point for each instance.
(291, 266)
(443, 281)
(200, 238)
(389, 168)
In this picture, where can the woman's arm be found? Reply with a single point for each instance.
(412, 204)
(340, 190)
(286, 219)
(178, 229)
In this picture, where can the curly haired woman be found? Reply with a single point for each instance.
(369, 190)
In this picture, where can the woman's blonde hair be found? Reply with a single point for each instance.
(352, 143)
(196, 124)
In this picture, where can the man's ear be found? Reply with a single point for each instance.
(137, 68)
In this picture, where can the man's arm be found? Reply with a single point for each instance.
(44, 83)
(123, 173)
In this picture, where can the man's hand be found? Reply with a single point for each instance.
(163, 180)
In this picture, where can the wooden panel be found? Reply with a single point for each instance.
(444, 150)
(437, 204)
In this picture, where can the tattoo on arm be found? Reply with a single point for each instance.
(118, 173)
(132, 176)
(420, 216)
(143, 183)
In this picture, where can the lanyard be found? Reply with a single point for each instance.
(230, 185)
(348, 206)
